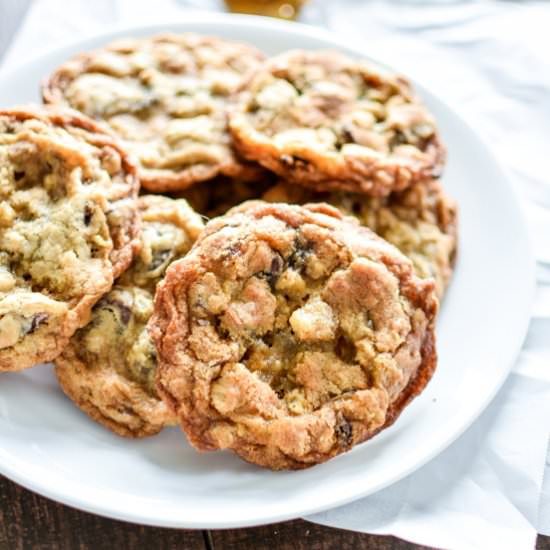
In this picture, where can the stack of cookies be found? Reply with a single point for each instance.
(252, 249)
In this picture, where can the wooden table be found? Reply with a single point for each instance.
(31, 522)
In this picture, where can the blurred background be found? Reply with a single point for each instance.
(11, 14)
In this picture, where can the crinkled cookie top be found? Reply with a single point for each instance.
(326, 121)
(289, 334)
(167, 97)
(68, 226)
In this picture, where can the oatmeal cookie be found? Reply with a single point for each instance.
(289, 334)
(422, 221)
(325, 121)
(166, 97)
(108, 368)
(68, 226)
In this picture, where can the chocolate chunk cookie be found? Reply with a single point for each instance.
(166, 97)
(421, 221)
(68, 226)
(326, 121)
(108, 368)
(289, 334)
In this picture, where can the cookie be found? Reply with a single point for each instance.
(290, 334)
(108, 368)
(170, 227)
(422, 221)
(68, 226)
(166, 97)
(328, 122)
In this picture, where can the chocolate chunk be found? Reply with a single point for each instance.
(159, 258)
(344, 431)
(399, 138)
(87, 215)
(276, 265)
(124, 311)
(275, 270)
(298, 258)
(345, 349)
(347, 134)
(37, 320)
(125, 409)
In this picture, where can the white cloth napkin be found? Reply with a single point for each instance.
(489, 60)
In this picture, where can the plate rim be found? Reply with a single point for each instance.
(191, 19)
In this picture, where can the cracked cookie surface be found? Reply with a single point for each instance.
(108, 368)
(68, 227)
(325, 121)
(166, 97)
(422, 221)
(289, 334)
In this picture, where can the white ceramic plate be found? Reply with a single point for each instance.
(49, 446)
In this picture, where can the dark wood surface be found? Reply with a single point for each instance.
(29, 521)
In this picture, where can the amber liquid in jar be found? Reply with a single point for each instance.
(284, 9)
